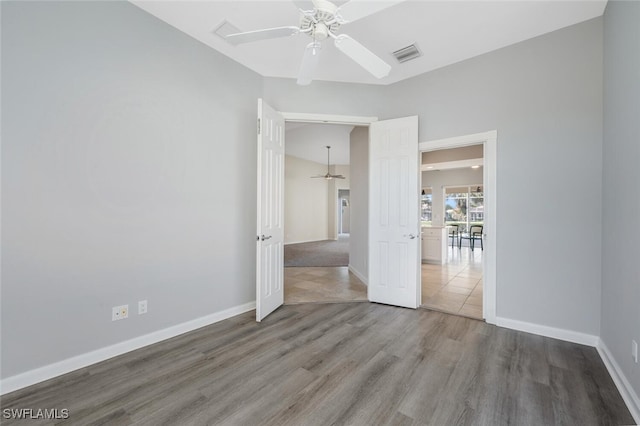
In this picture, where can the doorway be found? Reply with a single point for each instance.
(452, 267)
(474, 270)
(318, 215)
(344, 213)
(403, 130)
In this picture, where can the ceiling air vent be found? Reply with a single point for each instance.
(407, 53)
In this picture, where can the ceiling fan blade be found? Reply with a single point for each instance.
(317, 4)
(250, 36)
(328, 177)
(309, 63)
(363, 56)
(358, 9)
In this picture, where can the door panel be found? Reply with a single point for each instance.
(270, 220)
(394, 263)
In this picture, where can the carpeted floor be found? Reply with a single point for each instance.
(318, 253)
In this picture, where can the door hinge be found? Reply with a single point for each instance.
(258, 126)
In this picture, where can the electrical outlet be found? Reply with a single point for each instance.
(634, 350)
(119, 312)
(142, 307)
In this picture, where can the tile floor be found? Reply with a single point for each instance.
(326, 284)
(455, 287)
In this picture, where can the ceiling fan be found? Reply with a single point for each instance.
(328, 176)
(323, 22)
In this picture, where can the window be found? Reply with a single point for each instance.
(464, 206)
(426, 207)
(476, 206)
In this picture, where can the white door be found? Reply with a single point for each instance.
(394, 216)
(270, 235)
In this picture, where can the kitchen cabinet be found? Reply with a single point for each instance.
(434, 244)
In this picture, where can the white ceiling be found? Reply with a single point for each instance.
(309, 141)
(446, 31)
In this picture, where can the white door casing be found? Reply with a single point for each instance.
(489, 140)
(270, 215)
(394, 219)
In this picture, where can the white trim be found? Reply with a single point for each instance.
(546, 331)
(357, 273)
(303, 117)
(68, 365)
(489, 140)
(624, 387)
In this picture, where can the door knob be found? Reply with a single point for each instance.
(265, 238)
(412, 237)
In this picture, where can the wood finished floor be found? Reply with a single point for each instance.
(346, 363)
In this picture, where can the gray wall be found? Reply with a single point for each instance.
(127, 173)
(359, 237)
(544, 97)
(621, 197)
(453, 154)
(324, 97)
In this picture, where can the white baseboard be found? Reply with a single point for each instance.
(357, 273)
(68, 365)
(543, 330)
(629, 396)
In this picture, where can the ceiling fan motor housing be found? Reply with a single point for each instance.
(322, 21)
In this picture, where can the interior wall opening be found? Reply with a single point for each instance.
(318, 214)
(452, 221)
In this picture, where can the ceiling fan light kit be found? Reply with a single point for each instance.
(309, 63)
(321, 23)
